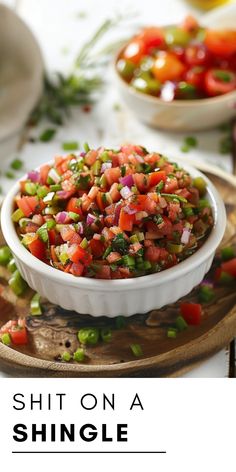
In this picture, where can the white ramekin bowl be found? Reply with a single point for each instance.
(116, 297)
(178, 115)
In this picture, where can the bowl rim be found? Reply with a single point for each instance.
(174, 103)
(117, 285)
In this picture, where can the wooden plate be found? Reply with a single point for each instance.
(55, 331)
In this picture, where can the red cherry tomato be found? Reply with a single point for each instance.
(195, 76)
(221, 43)
(152, 37)
(197, 55)
(218, 82)
(134, 51)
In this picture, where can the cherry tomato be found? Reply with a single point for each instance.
(134, 51)
(221, 43)
(167, 67)
(197, 55)
(218, 82)
(195, 76)
(152, 37)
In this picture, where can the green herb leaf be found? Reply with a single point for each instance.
(17, 164)
(70, 146)
(47, 135)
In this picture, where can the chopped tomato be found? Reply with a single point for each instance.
(229, 267)
(142, 182)
(197, 55)
(38, 249)
(191, 312)
(112, 175)
(195, 76)
(44, 173)
(17, 331)
(74, 206)
(27, 205)
(156, 177)
(126, 221)
(97, 247)
(104, 272)
(77, 269)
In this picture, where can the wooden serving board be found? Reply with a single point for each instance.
(55, 331)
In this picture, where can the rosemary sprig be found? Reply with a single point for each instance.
(61, 92)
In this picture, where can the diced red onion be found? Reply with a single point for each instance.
(54, 176)
(126, 192)
(105, 166)
(38, 220)
(34, 176)
(80, 228)
(117, 214)
(129, 210)
(185, 236)
(62, 217)
(90, 219)
(139, 158)
(127, 181)
(64, 194)
(97, 236)
(83, 154)
(207, 283)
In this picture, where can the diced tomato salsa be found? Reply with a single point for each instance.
(112, 214)
(185, 61)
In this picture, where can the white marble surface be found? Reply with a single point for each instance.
(61, 26)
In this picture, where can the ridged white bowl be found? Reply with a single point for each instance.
(116, 297)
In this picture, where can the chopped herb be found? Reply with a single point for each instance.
(120, 322)
(9, 174)
(86, 147)
(70, 146)
(119, 244)
(189, 143)
(17, 164)
(223, 75)
(227, 253)
(206, 294)
(47, 135)
(136, 350)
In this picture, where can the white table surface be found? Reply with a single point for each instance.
(61, 29)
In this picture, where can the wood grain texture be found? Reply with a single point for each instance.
(55, 331)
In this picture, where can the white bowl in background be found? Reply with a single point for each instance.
(178, 115)
(21, 76)
(116, 297)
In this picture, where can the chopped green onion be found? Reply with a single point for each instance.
(9, 175)
(74, 216)
(66, 356)
(134, 239)
(106, 334)
(223, 75)
(227, 253)
(175, 248)
(128, 261)
(180, 323)
(70, 146)
(206, 294)
(88, 336)
(51, 224)
(47, 135)
(160, 186)
(84, 243)
(5, 255)
(147, 265)
(17, 283)
(11, 266)
(79, 355)
(203, 203)
(31, 188)
(55, 187)
(17, 164)
(187, 211)
(6, 339)
(172, 196)
(172, 333)
(86, 147)
(107, 252)
(43, 233)
(35, 307)
(96, 167)
(42, 191)
(136, 350)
